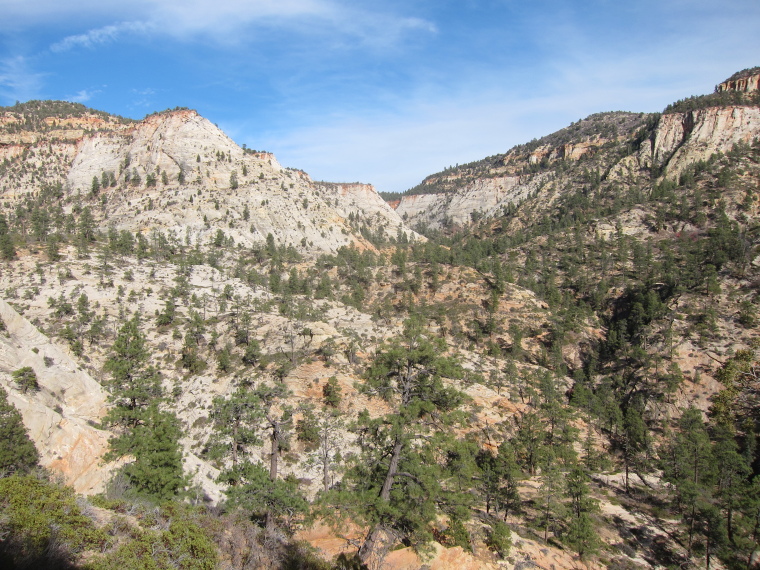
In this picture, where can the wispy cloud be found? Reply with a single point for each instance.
(84, 95)
(17, 80)
(234, 22)
(100, 36)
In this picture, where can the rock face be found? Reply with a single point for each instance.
(362, 203)
(483, 189)
(745, 81)
(482, 198)
(684, 138)
(677, 140)
(61, 415)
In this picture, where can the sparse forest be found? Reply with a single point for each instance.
(572, 380)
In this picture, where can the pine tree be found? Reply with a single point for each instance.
(236, 420)
(581, 534)
(397, 484)
(7, 249)
(498, 478)
(689, 466)
(549, 497)
(252, 486)
(633, 440)
(143, 431)
(17, 450)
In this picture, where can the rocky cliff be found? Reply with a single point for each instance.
(484, 189)
(684, 138)
(63, 414)
(670, 144)
(745, 81)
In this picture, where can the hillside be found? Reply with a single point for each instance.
(175, 173)
(562, 374)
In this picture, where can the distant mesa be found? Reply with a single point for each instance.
(744, 81)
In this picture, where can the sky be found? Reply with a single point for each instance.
(386, 92)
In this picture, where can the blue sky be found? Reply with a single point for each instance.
(378, 92)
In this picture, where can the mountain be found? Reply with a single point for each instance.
(563, 372)
(618, 146)
(176, 172)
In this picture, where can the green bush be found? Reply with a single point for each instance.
(42, 524)
(184, 545)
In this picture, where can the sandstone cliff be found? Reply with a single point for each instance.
(61, 416)
(684, 138)
(677, 140)
(745, 81)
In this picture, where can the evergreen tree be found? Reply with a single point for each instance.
(498, 478)
(251, 486)
(236, 420)
(7, 249)
(633, 440)
(143, 431)
(549, 498)
(397, 484)
(17, 450)
(581, 534)
(689, 467)
(26, 379)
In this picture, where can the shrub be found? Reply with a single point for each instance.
(42, 524)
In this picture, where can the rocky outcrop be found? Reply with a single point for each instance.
(362, 204)
(61, 415)
(684, 138)
(167, 142)
(483, 197)
(742, 81)
(679, 140)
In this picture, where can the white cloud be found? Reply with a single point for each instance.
(84, 95)
(223, 21)
(99, 36)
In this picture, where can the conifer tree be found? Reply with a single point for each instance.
(253, 487)
(396, 484)
(17, 450)
(7, 249)
(143, 431)
(236, 420)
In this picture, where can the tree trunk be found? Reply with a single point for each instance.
(368, 548)
(325, 459)
(235, 426)
(275, 440)
(274, 457)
